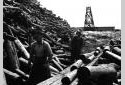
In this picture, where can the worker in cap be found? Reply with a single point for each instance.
(41, 55)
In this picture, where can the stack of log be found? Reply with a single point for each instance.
(21, 18)
(89, 68)
(24, 15)
(16, 57)
(102, 68)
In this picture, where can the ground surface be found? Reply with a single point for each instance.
(95, 39)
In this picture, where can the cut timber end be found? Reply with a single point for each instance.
(117, 51)
(76, 65)
(69, 77)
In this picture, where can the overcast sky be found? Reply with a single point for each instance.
(105, 12)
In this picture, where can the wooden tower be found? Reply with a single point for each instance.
(89, 22)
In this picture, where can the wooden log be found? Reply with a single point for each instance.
(56, 80)
(104, 69)
(8, 37)
(4, 79)
(93, 53)
(20, 30)
(76, 65)
(11, 74)
(13, 78)
(95, 72)
(12, 54)
(92, 57)
(53, 74)
(22, 38)
(11, 38)
(113, 57)
(107, 48)
(95, 60)
(60, 55)
(65, 56)
(99, 49)
(24, 61)
(57, 65)
(56, 58)
(117, 51)
(24, 66)
(69, 77)
(11, 7)
(87, 55)
(96, 52)
(59, 51)
(22, 48)
(22, 74)
(64, 59)
(13, 58)
(19, 44)
(110, 54)
(53, 69)
(65, 73)
(15, 31)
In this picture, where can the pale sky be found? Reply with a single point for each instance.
(105, 12)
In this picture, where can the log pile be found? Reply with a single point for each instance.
(89, 69)
(21, 19)
(104, 68)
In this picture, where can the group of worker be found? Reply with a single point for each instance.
(41, 55)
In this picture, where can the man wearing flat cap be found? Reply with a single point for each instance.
(41, 55)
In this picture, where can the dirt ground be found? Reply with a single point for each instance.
(94, 39)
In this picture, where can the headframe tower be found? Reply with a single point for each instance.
(89, 22)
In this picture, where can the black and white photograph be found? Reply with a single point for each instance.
(61, 42)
